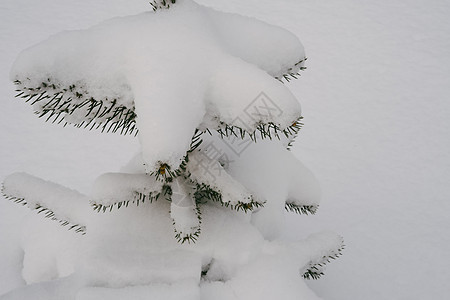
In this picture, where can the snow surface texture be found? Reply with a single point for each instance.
(182, 61)
(384, 172)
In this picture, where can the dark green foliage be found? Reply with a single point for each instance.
(160, 4)
(196, 140)
(290, 74)
(182, 237)
(315, 269)
(165, 173)
(313, 273)
(190, 237)
(138, 199)
(56, 104)
(21, 201)
(51, 215)
(301, 209)
(205, 269)
(204, 193)
(263, 131)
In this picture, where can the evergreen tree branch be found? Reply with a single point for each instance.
(73, 105)
(117, 190)
(59, 104)
(263, 131)
(48, 213)
(316, 267)
(301, 209)
(189, 237)
(204, 193)
(184, 211)
(161, 4)
(292, 72)
(167, 174)
(138, 199)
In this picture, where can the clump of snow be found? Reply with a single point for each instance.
(49, 251)
(231, 93)
(206, 169)
(112, 188)
(183, 209)
(271, 174)
(264, 48)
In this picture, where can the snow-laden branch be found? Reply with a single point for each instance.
(56, 202)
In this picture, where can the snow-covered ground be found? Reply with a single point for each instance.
(376, 134)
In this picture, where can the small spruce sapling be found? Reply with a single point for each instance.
(215, 66)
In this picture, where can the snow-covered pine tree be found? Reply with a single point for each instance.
(203, 90)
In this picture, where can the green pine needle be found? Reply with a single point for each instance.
(138, 199)
(289, 73)
(189, 238)
(315, 270)
(204, 193)
(161, 4)
(301, 209)
(54, 103)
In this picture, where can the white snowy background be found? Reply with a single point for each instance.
(377, 133)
